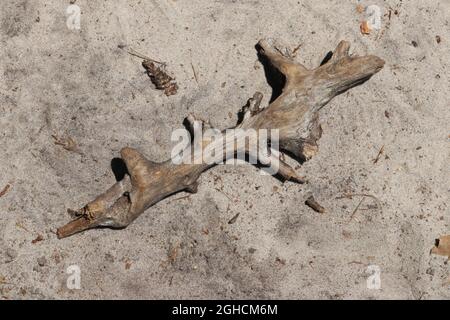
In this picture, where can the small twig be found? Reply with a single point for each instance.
(378, 155)
(37, 239)
(351, 195)
(313, 204)
(140, 55)
(294, 52)
(233, 220)
(5, 190)
(195, 73)
(356, 209)
(77, 225)
(364, 195)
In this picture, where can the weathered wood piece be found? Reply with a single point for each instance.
(294, 113)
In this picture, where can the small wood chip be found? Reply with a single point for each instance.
(356, 209)
(233, 220)
(38, 239)
(313, 204)
(380, 152)
(364, 27)
(144, 57)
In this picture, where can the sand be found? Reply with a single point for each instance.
(83, 84)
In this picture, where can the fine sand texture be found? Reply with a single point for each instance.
(382, 172)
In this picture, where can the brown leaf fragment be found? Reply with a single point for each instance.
(37, 239)
(195, 73)
(442, 246)
(356, 209)
(5, 190)
(313, 204)
(160, 78)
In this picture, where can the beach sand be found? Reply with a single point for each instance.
(83, 84)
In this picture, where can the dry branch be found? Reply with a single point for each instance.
(294, 114)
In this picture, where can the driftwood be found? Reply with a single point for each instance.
(294, 113)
